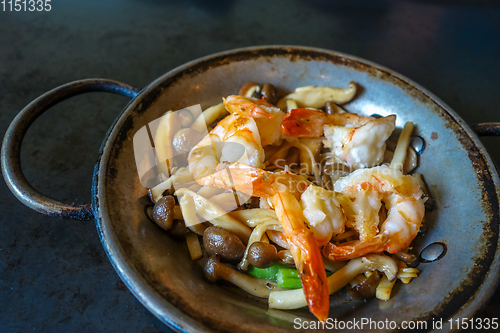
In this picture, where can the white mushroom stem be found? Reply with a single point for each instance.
(257, 287)
(249, 93)
(257, 233)
(294, 299)
(290, 105)
(194, 247)
(209, 116)
(316, 97)
(255, 216)
(399, 157)
(225, 200)
(333, 266)
(180, 178)
(209, 191)
(188, 211)
(213, 213)
(168, 126)
(249, 89)
(279, 238)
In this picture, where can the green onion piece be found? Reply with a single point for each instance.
(285, 277)
(289, 272)
(265, 273)
(288, 278)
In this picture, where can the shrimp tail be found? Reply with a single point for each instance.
(354, 249)
(306, 254)
(304, 123)
(314, 281)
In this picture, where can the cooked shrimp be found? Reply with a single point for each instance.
(357, 140)
(239, 137)
(322, 213)
(267, 117)
(283, 190)
(361, 197)
(246, 106)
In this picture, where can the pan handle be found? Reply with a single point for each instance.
(11, 146)
(486, 129)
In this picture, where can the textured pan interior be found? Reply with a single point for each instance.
(461, 178)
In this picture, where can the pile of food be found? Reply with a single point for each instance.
(292, 199)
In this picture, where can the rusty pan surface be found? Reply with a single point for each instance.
(461, 178)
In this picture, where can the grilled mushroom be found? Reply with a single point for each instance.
(262, 255)
(270, 93)
(223, 243)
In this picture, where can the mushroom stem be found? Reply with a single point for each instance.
(182, 176)
(214, 270)
(333, 266)
(194, 246)
(316, 97)
(209, 211)
(410, 259)
(255, 216)
(294, 299)
(209, 116)
(399, 156)
(168, 126)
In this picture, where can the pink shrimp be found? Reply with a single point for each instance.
(239, 137)
(356, 140)
(361, 195)
(245, 106)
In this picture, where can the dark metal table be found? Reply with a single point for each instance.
(54, 274)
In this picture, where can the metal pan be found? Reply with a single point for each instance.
(461, 177)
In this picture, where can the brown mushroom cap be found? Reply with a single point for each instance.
(185, 139)
(262, 255)
(224, 244)
(210, 269)
(163, 212)
(270, 93)
(186, 118)
(249, 87)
